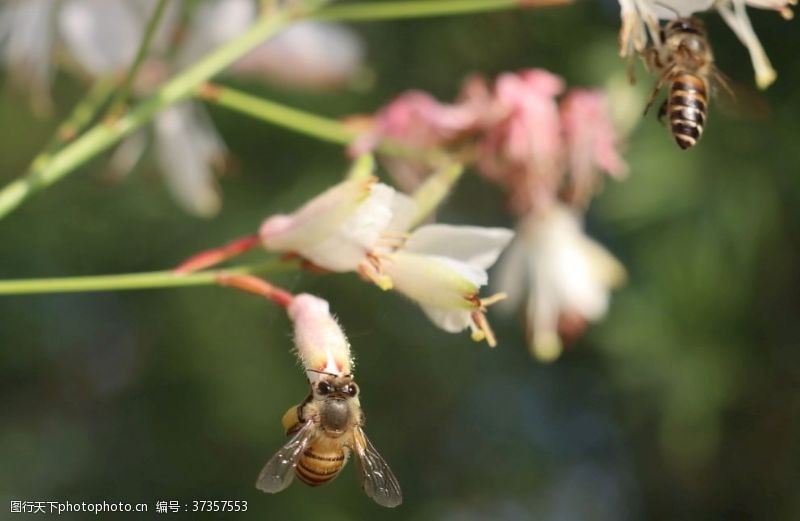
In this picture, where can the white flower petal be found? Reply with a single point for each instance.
(474, 245)
(318, 220)
(450, 320)
(102, 35)
(187, 146)
(127, 154)
(511, 277)
(434, 281)
(356, 236)
(214, 24)
(543, 310)
(26, 36)
(739, 22)
(404, 209)
(671, 9)
(308, 55)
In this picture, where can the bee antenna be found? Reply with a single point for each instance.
(323, 372)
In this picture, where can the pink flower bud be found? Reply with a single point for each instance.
(320, 341)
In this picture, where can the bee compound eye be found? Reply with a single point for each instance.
(324, 388)
(350, 389)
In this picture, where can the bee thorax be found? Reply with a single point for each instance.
(335, 417)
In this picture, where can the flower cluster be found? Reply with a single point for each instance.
(100, 38)
(515, 130)
(640, 21)
(551, 149)
(364, 226)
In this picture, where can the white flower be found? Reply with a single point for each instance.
(568, 277)
(213, 24)
(734, 12)
(361, 225)
(188, 148)
(336, 229)
(26, 45)
(320, 341)
(442, 268)
(639, 20)
(309, 54)
(102, 36)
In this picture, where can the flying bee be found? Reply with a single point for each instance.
(685, 62)
(325, 429)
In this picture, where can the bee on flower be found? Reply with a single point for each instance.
(640, 26)
(327, 427)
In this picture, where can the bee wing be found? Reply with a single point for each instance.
(377, 478)
(277, 474)
(738, 100)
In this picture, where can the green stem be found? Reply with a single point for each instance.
(118, 105)
(434, 190)
(304, 122)
(83, 113)
(320, 127)
(131, 281)
(371, 11)
(102, 136)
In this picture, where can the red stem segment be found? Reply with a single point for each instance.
(257, 286)
(209, 258)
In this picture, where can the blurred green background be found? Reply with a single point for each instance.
(683, 404)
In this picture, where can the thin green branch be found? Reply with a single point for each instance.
(133, 281)
(84, 112)
(434, 190)
(102, 136)
(118, 105)
(372, 11)
(307, 123)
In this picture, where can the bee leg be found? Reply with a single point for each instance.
(209, 258)
(652, 59)
(652, 98)
(662, 112)
(659, 85)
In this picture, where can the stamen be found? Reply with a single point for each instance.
(483, 326)
(494, 299)
(476, 334)
(372, 270)
(393, 240)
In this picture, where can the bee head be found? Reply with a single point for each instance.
(337, 388)
(337, 410)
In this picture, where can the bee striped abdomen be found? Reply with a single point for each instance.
(687, 109)
(316, 468)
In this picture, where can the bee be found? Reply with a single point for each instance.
(685, 61)
(325, 429)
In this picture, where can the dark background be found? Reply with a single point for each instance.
(683, 404)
